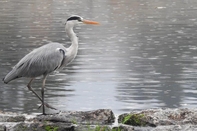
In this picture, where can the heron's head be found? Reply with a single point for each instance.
(75, 19)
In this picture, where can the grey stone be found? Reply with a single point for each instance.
(93, 128)
(123, 127)
(43, 127)
(2, 127)
(101, 116)
(11, 117)
(101, 120)
(63, 121)
(157, 117)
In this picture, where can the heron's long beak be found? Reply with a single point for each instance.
(90, 22)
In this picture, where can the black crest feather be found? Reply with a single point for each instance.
(74, 18)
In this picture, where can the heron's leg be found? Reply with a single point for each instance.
(42, 93)
(30, 88)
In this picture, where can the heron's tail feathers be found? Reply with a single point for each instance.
(10, 76)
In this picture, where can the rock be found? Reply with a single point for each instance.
(63, 121)
(43, 127)
(175, 128)
(2, 127)
(158, 117)
(123, 127)
(101, 116)
(11, 117)
(102, 120)
(93, 128)
(187, 127)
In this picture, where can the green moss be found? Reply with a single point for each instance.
(99, 128)
(74, 121)
(51, 128)
(116, 129)
(21, 127)
(134, 120)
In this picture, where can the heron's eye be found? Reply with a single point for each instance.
(80, 20)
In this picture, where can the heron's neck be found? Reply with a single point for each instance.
(73, 37)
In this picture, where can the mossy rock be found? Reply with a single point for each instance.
(51, 128)
(134, 120)
(43, 127)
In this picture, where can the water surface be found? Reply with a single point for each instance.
(143, 55)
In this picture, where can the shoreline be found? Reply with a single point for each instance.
(182, 119)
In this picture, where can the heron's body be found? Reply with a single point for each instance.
(47, 58)
(40, 61)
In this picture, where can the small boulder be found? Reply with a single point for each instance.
(11, 117)
(159, 117)
(101, 116)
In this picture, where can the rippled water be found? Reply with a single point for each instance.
(143, 55)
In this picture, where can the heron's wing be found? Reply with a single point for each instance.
(40, 61)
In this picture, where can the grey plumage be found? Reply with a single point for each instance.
(40, 61)
(47, 59)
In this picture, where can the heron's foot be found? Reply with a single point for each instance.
(48, 106)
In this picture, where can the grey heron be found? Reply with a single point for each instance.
(47, 58)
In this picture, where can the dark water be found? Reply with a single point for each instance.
(143, 55)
